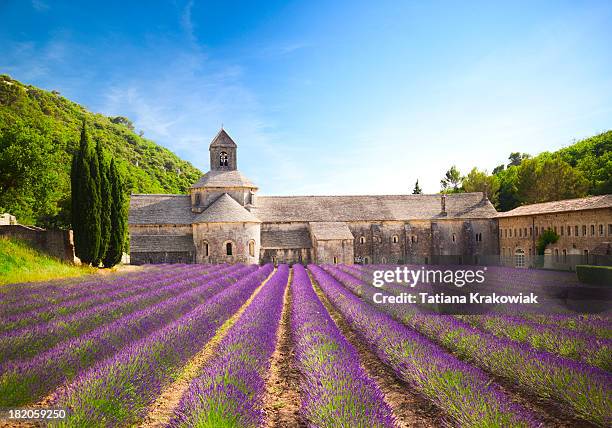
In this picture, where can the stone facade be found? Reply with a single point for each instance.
(584, 227)
(222, 220)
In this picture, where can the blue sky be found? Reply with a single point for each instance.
(343, 97)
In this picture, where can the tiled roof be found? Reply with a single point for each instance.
(176, 209)
(155, 243)
(281, 239)
(590, 203)
(330, 230)
(371, 208)
(226, 210)
(160, 209)
(224, 179)
(222, 139)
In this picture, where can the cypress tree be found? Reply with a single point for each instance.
(106, 201)
(86, 202)
(75, 174)
(118, 218)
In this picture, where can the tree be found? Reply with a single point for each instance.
(106, 200)
(122, 120)
(547, 237)
(498, 169)
(451, 182)
(118, 218)
(508, 191)
(417, 189)
(86, 204)
(549, 178)
(516, 158)
(480, 181)
(29, 184)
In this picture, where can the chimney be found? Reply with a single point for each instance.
(443, 204)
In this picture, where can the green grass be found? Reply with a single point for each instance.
(21, 263)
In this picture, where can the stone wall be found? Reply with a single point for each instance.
(56, 243)
(286, 255)
(214, 237)
(334, 251)
(425, 241)
(582, 234)
(153, 244)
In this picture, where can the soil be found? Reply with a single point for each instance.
(409, 408)
(282, 399)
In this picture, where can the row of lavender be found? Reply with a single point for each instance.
(119, 389)
(229, 390)
(25, 342)
(467, 395)
(27, 380)
(581, 337)
(45, 307)
(576, 388)
(336, 391)
(18, 298)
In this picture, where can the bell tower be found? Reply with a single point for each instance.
(223, 153)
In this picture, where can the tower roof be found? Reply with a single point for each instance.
(226, 210)
(224, 179)
(222, 139)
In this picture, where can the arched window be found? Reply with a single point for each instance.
(454, 237)
(223, 159)
(205, 249)
(252, 248)
(228, 248)
(366, 260)
(335, 260)
(362, 240)
(197, 199)
(395, 239)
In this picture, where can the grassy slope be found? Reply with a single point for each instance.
(21, 263)
(146, 166)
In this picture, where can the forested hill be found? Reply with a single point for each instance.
(39, 131)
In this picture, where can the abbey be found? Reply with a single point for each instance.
(223, 220)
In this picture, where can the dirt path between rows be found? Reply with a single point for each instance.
(409, 408)
(161, 411)
(282, 399)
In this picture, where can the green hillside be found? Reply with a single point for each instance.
(39, 131)
(21, 263)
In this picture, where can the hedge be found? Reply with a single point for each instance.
(597, 275)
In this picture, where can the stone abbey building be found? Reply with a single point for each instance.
(224, 220)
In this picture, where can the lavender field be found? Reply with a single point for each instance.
(264, 346)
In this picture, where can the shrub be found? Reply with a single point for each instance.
(597, 275)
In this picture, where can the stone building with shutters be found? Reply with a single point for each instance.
(223, 220)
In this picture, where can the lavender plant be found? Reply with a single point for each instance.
(118, 390)
(464, 393)
(25, 382)
(230, 389)
(335, 388)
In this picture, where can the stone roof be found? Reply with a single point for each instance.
(166, 243)
(285, 239)
(330, 230)
(226, 210)
(219, 178)
(160, 209)
(589, 203)
(222, 139)
(371, 208)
